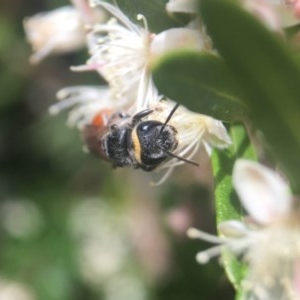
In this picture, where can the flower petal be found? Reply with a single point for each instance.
(216, 134)
(174, 39)
(262, 192)
(182, 6)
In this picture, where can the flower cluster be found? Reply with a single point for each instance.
(129, 123)
(123, 52)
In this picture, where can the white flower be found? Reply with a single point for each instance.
(85, 103)
(193, 129)
(271, 243)
(122, 51)
(58, 31)
(118, 51)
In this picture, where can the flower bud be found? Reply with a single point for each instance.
(175, 39)
(182, 6)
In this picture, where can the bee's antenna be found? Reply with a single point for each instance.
(168, 152)
(181, 158)
(168, 119)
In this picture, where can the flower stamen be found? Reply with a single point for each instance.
(142, 18)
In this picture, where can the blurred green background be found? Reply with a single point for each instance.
(71, 227)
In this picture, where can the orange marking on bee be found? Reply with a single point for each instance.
(101, 118)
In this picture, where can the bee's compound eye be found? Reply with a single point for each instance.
(154, 140)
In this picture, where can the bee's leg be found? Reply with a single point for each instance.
(136, 118)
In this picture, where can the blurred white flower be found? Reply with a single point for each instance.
(182, 6)
(270, 243)
(58, 31)
(125, 286)
(265, 11)
(102, 248)
(86, 102)
(11, 290)
(20, 218)
(275, 14)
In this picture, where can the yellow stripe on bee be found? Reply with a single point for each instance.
(136, 145)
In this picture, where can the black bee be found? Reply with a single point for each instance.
(129, 141)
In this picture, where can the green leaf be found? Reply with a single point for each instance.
(228, 206)
(200, 81)
(154, 11)
(267, 73)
